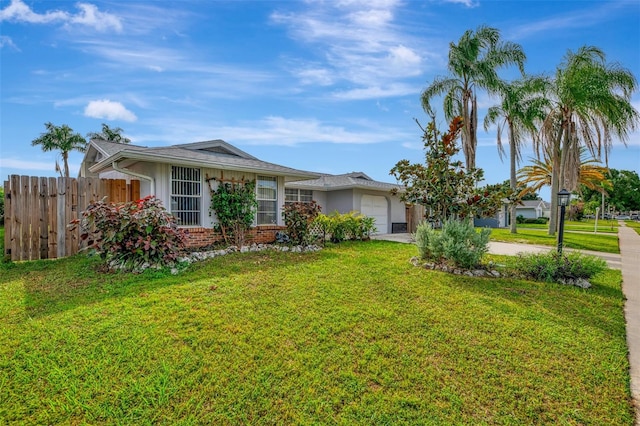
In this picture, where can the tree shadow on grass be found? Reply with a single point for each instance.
(55, 286)
(601, 306)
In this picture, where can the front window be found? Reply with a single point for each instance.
(186, 195)
(292, 195)
(267, 196)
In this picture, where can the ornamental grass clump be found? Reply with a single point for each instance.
(559, 268)
(457, 243)
(133, 236)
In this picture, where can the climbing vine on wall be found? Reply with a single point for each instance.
(235, 206)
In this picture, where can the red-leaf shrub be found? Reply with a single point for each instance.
(132, 236)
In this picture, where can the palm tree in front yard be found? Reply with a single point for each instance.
(522, 105)
(591, 106)
(590, 173)
(473, 65)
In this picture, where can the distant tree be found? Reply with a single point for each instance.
(442, 184)
(109, 134)
(590, 173)
(625, 195)
(473, 64)
(61, 138)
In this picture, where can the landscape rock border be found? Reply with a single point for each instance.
(489, 272)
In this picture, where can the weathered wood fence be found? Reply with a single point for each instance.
(38, 211)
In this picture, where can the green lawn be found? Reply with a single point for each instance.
(586, 225)
(350, 335)
(604, 242)
(633, 224)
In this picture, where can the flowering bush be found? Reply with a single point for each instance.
(298, 218)
(132, 236)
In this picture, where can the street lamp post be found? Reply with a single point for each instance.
(563, 202)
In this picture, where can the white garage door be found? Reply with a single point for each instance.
(375, 206)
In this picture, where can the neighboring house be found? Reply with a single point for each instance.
(181, 177)
(532, 209)
(353, 192)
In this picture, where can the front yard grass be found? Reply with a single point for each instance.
(585, 225)
(353, 334)
(633, 224)
(604, 242)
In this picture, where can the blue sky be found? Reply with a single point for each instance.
(325, 86)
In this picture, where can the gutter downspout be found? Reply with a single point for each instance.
(151, 180)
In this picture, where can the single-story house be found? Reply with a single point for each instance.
(181, 176)
(533, 209)
(354, 192)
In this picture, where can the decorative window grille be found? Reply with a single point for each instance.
(267, 196)
(186, 195)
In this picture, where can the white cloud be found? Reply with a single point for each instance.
(359, 43)
(468, 3)
(89, 15)
(8, 42)
(109, 110)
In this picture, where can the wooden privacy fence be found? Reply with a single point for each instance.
(38, 211)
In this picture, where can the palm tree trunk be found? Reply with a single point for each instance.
(65, 159)
(473, 133)
(555, 181)
(512, 181)
(466, 129)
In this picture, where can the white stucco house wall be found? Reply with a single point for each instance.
(181, 176)
(354, 192)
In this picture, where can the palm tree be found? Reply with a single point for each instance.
(63, 139)
(109, 134)
(523, 104)
(591, 105)
(473, 64)
(590, 173)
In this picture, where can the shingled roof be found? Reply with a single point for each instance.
(216, 154)
(328, 182)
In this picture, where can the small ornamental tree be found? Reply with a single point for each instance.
(132, 236)
(443, 185)
(235, 206)
(298, 218)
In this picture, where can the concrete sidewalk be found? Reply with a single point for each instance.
(511, 249)
(629, 241)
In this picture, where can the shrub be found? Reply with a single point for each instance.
(298, 218)
(553, 267)
(344, 226)
(423, 236)
(132, 236)
(457, 243)
(235, 207)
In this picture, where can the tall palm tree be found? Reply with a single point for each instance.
(473, 64)
(109, 134)
(591, 105)
(590, 173)
(63, 139)
(522, 106)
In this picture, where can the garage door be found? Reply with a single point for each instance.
(376, 206)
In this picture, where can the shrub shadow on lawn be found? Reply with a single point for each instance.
(601, 306)
(56, 286)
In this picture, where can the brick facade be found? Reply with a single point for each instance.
(203, 237)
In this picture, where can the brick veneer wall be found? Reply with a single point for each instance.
(202, 237)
